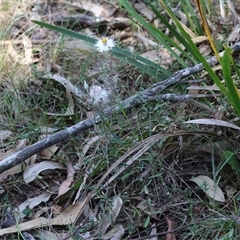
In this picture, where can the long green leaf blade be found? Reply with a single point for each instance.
(197, 53)
(157, 34)
(233, 93)
(137, 61)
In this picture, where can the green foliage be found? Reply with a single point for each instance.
(233, 92)
(192, 17)
(163, 39)
(135, 60)
(187, 48)
(28, 212)
(232, 160)
(190, 50)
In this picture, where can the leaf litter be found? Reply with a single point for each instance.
(96, 184)
(209, 187)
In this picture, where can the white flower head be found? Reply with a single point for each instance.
(105, 44)
(99, 95)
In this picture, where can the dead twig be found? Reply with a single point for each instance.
(135, 100)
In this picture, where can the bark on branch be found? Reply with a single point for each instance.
(137, 99)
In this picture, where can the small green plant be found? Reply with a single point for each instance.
(191, 51)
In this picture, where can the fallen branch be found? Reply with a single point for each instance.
(135, 100)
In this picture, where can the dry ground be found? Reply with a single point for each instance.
(141, 173)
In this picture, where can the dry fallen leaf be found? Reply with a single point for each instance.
(209, 187)
(199, 39)
(27, 59)
(110, 217)
(96, 8)
(32, 171)
(66, 83)
(65, 185)
(214, 122)
(234, 35)
(68, 216)
(160, 56)
(170, 236)
(205, 50)
(115, 233)
(144, 10)
(47, 235)
(33, 202)
(71, 105)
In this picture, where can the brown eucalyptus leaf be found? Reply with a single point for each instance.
(33, 202)
(32, 171)
(209, 187)
(65, 185)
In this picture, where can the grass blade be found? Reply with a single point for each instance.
(233, 92)
(137, 61)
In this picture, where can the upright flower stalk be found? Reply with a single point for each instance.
(100, 94)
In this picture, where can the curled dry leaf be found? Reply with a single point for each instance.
(108, 218)
(68, 216)
(71, 105)
(65, 185)
(33, 202)
(170, 236)
(31, 172)
(116, 207)
(205, 50)
(209, 187)
(115, 233)
(49, 152)
(214, 122)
